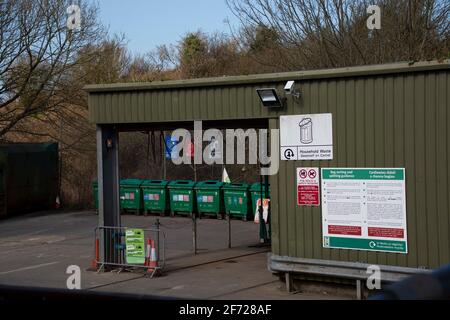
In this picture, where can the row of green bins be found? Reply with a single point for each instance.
(237, 200)
(212, 198)
(154, 193)
(182, 200)
(209, 198)
(130, 195)
(133, 191)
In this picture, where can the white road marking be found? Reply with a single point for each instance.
(29, 268)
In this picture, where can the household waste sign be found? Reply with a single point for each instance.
(306, 137)
(135, 245)
(364, 209)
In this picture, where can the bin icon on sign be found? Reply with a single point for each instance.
(306, 133)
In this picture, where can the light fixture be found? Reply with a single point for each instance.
(109, 143)
(269, 97)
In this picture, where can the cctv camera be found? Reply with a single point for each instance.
(289, 87)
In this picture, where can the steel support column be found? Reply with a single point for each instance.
(108, 186)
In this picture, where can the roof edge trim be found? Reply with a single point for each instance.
(379, 69)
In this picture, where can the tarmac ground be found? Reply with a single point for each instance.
(36, 250)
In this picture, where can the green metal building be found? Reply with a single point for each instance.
(383, 116)
(29, 175)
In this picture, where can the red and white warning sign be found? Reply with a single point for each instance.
(308, 187)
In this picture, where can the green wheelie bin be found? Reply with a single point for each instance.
(237, 200)
(154, 194)
(182, 199)
(131, 195)
(255, 191)
(209, 198)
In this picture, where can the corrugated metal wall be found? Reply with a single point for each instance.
(385, 121)
(185, 104)
(379, 120)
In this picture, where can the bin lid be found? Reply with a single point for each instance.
(154, 183)
(181, 184)
(236, 186)
(130, 182)
(257, 187)
(209, 184)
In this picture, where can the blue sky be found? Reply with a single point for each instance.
(148, 23)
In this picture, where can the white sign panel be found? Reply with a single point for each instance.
(306, 137)
(364, 209)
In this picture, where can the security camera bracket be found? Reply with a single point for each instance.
(289, 89)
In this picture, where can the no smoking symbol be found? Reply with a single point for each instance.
(312, 173)
(303, 173)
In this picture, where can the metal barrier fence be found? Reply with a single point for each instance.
(116, 252)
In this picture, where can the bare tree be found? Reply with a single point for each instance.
(207, 55)
(333, 33)
(156, 65)
(38, 55)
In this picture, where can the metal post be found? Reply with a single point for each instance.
(358, 290)
(108, 186)
(147, 164)
(157, 238)
(229, 232)
(60, 164)
(194, 233)
(164, 155)
(289, 282)
(212, 171)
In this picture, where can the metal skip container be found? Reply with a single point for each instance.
(131, 195)
(209, 198)
(237, 200)
(155, 196)
(306, 133)
(182, 198)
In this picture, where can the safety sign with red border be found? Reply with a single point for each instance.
(308, 186)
